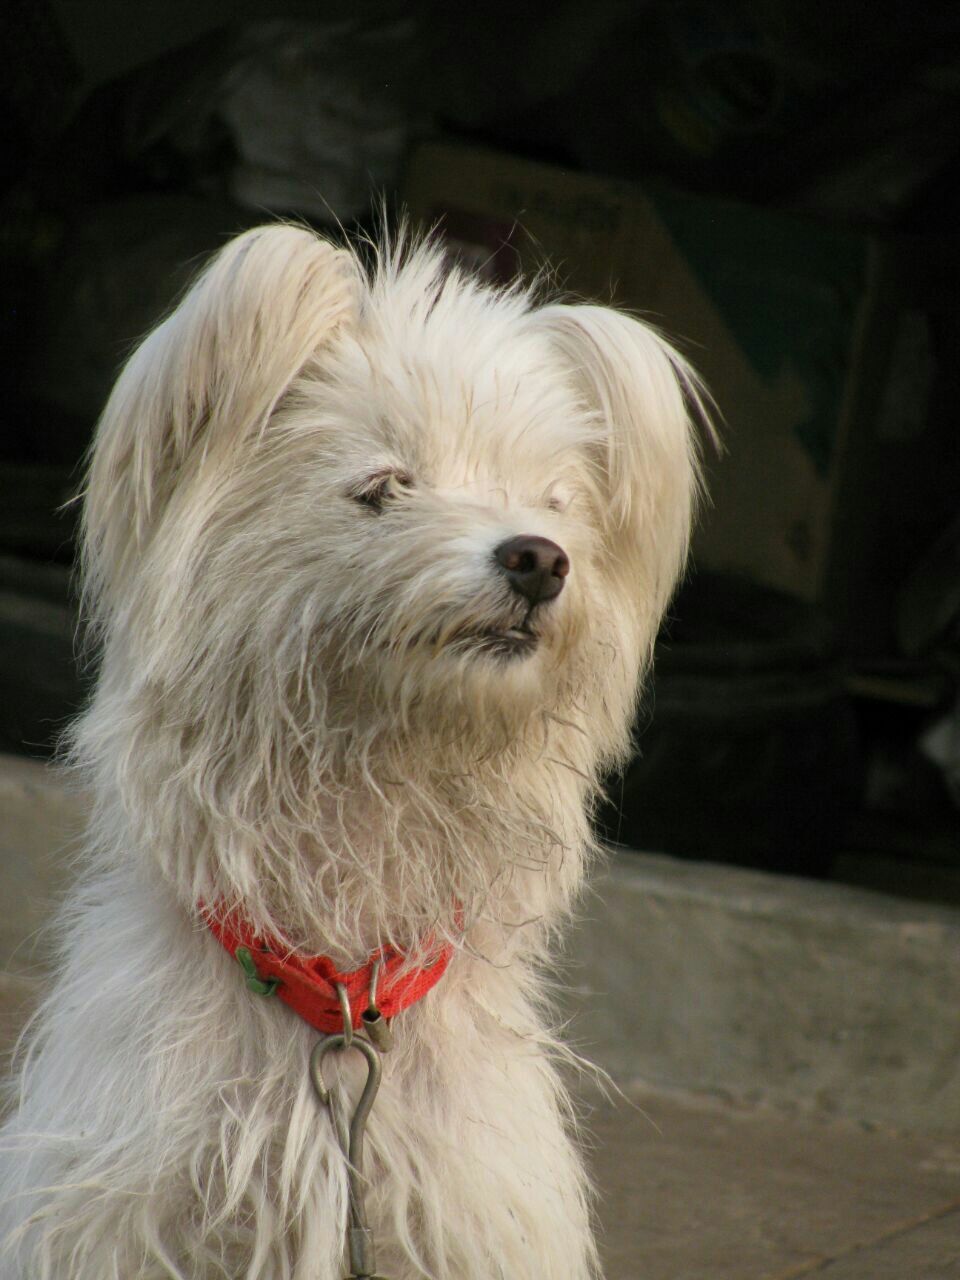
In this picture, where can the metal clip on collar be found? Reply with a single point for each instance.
(374, 1023)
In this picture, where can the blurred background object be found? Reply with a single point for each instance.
(776, 184)
(748, 748)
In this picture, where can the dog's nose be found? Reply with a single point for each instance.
(534, 567)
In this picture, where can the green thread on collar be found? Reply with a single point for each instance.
(259, 986)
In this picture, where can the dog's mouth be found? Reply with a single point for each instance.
(507, 643)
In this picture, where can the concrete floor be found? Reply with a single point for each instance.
(697, 1189)
(695, 1186)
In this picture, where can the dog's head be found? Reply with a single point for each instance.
(388, 498)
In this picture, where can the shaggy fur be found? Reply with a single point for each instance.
(293, 500)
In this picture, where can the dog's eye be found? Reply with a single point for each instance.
(375, 491)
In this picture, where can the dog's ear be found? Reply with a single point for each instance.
(649, 403)
(208, 378)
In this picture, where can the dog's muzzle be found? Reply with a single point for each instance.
(535, 569)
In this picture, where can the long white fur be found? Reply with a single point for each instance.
(291, 716)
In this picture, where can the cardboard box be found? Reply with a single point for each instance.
(814, 340)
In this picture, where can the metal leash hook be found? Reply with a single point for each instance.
(359, 1236)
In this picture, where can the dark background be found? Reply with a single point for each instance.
(803, 163)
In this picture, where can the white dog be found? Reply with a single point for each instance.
(375, 557)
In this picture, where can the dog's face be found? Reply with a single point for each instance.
(395, 501)
(455, 540)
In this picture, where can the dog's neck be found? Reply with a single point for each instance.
(385, 845)
(400, 851)
(401, 858)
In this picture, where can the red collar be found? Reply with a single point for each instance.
(308, 984)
